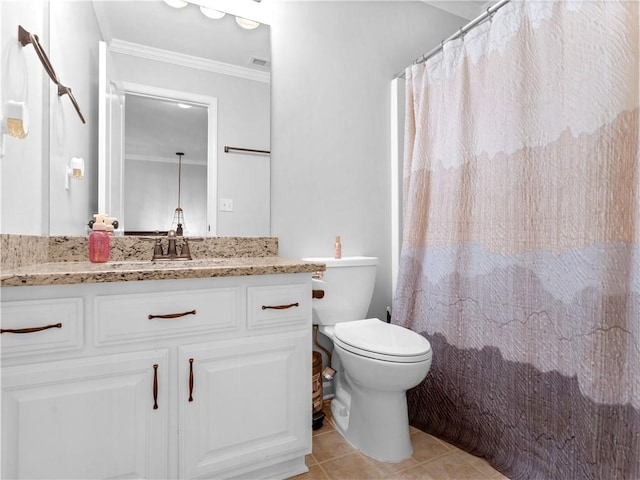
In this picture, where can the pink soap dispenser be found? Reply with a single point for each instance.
(99, 246)
(99, 238)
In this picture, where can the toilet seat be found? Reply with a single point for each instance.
(382, 341)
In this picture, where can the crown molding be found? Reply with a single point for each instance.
(135, 49)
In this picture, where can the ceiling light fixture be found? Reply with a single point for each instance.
(211, 13)
(176, 3)
(246, 23)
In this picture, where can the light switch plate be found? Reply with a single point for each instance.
(226, 205)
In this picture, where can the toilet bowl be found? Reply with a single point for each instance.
(376, 362)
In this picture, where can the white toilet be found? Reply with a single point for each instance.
(376, 362)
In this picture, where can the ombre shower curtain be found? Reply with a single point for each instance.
(521, 245)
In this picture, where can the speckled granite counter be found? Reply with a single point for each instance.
(31, 260)
(67, 273)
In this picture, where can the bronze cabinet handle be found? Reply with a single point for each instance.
(191, 379)
(30, 330)
(173, 315)
(280, 307)
(155, 386)
(317, 293)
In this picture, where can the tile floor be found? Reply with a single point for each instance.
(333, 458)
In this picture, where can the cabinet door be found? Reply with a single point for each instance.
(250, 404)
(86, 418)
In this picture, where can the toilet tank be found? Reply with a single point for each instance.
(348, 288)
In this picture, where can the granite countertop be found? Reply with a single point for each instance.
(63, 260)
(69, 273)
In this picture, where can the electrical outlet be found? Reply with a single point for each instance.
(226, 205)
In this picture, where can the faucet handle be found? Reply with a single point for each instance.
(185, 251)
(157, 248)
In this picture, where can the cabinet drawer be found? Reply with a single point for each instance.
(63, 316)
(127, 318)
(270, 306)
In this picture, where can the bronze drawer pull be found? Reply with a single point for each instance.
(191, 379)
(173, 315)
(317, 293)
(155, 386)
(280, 307)
(30, 330)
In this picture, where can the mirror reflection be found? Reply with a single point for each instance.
(158, 181)
(201, 58)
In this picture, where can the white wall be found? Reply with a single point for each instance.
(74, 54)
(151, 193)
(34, 199)
(24, 169)
(332, 67)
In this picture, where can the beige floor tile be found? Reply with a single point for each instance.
(390, 468)
(479, 463)
(351, 467)
(333, 458)
(413, 473)
(330, 445)
(427, 447)
(451, 467)
(327, 426)
(326, 408)
(315, 473)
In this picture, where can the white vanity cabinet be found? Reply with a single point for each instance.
(216, 384)
(244, 408)
(86, 418)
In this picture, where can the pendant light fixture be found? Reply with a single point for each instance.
(178, 224)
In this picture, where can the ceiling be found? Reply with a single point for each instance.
(155, 129)
(465, 9)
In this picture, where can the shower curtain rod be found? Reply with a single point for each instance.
(473, 23)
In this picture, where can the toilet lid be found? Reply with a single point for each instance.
(384, 341)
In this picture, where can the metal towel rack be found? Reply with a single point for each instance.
(227, 149)
(25, 38)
